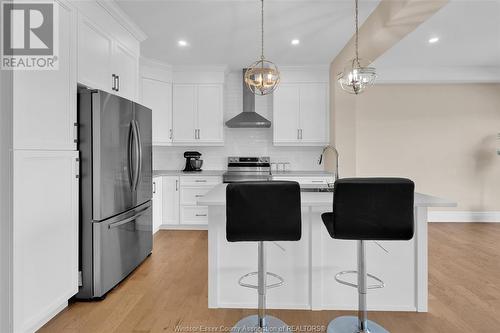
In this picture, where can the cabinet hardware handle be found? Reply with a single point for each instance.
(201, 180)
(201, 214)
(154, 187)
(170, 134)
(317, 181)
(298, 136)
(195, 134)
(301, 134)
(118, 83)
(113, 83)
(77, 165)
(198, 133)
(198, 196)
(75, 132)
(176, 185)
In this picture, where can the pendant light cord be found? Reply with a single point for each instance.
(262, 29)
(356, 42)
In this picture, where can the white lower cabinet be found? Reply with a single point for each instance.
(170, 199)
(157, 203)
(45, 235)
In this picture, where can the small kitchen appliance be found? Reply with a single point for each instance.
(193, 162)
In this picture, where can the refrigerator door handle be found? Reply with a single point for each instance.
(130, 152)
(128, 220)
(139, 153)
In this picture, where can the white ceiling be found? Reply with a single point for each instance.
(469, 36)
(227, 32)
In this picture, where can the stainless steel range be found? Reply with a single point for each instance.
(240, 169)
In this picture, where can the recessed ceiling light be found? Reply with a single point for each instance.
(295, 42)
(433, 40)
(182, 43)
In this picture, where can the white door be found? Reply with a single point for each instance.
(45, 234)
(286, 114)
(45, 101)
(314, 113)
(157, 203)
(210, 117)
(157, 95)
(170, 193)
(184, 112)
(94, 56)
(125, 67)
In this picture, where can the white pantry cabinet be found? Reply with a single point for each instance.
(104, 62)
(157, 203)
(170, 197)
(157, 95)
(198, 114)
(301, 114)
(45, 101)
(45, 235)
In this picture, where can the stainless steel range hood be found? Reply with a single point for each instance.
(248, 118)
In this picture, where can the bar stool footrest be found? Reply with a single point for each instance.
(380, 284)
(280, 282)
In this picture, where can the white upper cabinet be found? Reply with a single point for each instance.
(197, 106)
(184, 113)
(125, 68)
(198, 114)
(210, 114)
(157, 95)
(108, 54)
(94, 56)
(300, 109)
(45, 101)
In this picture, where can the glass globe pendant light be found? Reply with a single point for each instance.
(357, 75)
(263, 76)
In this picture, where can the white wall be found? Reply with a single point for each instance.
(240, 142)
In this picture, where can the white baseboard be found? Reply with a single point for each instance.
(464, 216)
(183, 227)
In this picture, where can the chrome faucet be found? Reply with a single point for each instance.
(330, 147)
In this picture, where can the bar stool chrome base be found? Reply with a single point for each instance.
(350, 324)
(250, 324)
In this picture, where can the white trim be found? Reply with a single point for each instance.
(464, 216)
(437, 75)
(144, 61)
(119, 15)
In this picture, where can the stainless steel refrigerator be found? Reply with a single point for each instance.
(115, 144)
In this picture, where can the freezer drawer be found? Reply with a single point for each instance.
(121, 243)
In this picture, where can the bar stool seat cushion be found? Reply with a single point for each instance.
(263, 211)
(371, 209)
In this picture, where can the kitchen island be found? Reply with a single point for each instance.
(309, 265)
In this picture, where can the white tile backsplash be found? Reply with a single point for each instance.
(240, 141)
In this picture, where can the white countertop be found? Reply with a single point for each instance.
(217, 197)
(159, 173)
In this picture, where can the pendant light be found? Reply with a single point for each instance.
(262, 77)
(357, 74)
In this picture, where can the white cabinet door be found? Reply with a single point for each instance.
(94, 56)
(157, 95)
(314, 113)
(170, 200)
(286, 104)
(125, 67)
(184, 113)
(210, 116)
(45, 235)
(45, 101)
(157, 203)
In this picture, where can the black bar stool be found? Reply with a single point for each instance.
(368, 209)
(261, 212)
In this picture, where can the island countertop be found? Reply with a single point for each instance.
(217, 197)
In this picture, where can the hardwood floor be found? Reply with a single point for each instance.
(170, 289)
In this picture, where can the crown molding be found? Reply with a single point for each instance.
(118, 14)
(145, 61)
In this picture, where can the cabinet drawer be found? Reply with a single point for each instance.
(194, 215)
(307, 180)
(190, 195)
(200, 180)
